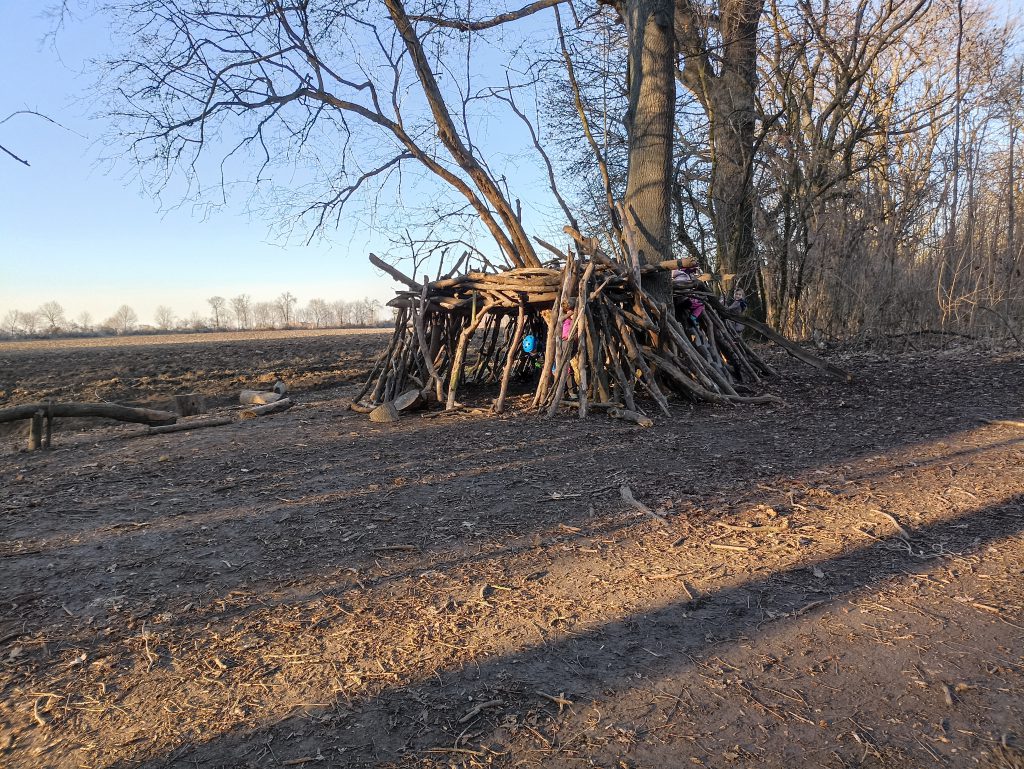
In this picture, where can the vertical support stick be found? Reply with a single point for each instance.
(581, 371)
(460, 355)
(35, 432)
(511, 357)
(419, 321)
(554, 338)
(562, 372)
(581, 356)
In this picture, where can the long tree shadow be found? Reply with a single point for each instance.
(511, 521)
(606, 661)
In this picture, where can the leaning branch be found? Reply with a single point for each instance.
(792, 348)
(465, 25)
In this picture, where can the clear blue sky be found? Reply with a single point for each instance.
(84, 235)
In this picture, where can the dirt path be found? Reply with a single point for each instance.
(839, 584)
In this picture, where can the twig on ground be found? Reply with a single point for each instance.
(35, 712)
(733, 548)
(560, 700)
(478, 709)
(465, 751)
(627, 496)
(892, 519)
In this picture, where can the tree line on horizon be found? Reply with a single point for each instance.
(236, 313)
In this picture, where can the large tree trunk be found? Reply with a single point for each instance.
(650, 122)
(726, 90)
(732, 140)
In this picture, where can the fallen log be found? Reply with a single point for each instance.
(35, 433)
(268, 408)
(258, 397)
(1003, 422)
(102, 410)
(386, 412)
(193, 425)
(631, 416)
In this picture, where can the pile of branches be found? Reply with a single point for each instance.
(622, 343)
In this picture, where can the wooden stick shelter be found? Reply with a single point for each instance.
(622, 344)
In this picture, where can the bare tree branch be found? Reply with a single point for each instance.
(465, 25)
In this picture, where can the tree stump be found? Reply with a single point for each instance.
(189, 404)
(386, 412)
(410, 400)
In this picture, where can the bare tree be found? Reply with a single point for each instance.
(123, 320)
(217, 304)
(164, 317)
(281, 74)
(263, 315)
(319, 312)
(284, 305)
(341, 313)
(196, 322)
(650, 118)
(29, 322)
(364, 311)
(85, 320)
(52, 315)
(719, 67)
(241, 306)
(12, 322)
(832, 82)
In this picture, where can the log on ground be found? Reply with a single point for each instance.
(103, 410)
(258, 397)
(269, 408)
(193, 425)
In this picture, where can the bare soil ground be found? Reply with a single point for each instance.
(838, 582)
(149, 370)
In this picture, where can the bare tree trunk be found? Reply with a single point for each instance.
(725, 86)
(732, 118)
(953, 225)
(1011, 179)
(650, 121)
